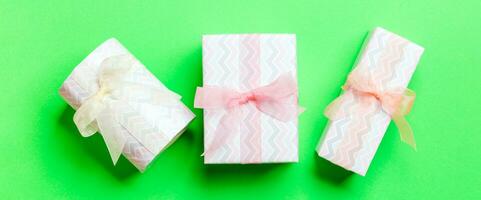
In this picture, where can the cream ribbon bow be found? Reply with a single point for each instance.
(101, 112)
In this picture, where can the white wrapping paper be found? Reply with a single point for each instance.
(145, 126)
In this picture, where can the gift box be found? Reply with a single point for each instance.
(249, 97)
(114, 94)
(375, 92)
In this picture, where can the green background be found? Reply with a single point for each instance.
(43, 155)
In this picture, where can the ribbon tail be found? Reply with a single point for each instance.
(112, 133)
(405, 130)
(407, 101)
(404, 108)
(224, 130)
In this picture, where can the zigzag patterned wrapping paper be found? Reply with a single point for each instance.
(244, 62)
(159, 125)
(352, 141)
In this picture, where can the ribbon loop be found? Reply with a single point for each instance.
(99, 113)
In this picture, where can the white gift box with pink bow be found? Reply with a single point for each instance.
(249, 97)
(115, 95)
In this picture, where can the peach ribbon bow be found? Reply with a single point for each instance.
(395, 102)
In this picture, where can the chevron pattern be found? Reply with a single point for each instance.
(249, 67)
(351, 142)
(220, 63)
(282, 138)
(244, 62)
(155, 126)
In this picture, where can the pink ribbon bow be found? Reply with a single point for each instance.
(277, 100)
(395, 102)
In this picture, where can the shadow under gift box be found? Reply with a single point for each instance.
(351, 141)
(157, 125)
(242, 63)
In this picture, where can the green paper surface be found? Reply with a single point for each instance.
(44, 157)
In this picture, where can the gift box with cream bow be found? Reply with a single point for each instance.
(115, 95)
(375, 92)
(249, 98)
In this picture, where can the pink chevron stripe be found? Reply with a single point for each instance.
(352, 145)
(251, 148)
(384, 68)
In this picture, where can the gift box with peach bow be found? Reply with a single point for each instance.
(375, 92)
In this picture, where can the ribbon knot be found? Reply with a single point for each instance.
(395, 102)
(103, 92)
(277, 100)
(242, 99)
(101, 111)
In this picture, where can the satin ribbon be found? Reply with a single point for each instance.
(395, 102)
(101, 111)
(277, 100)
